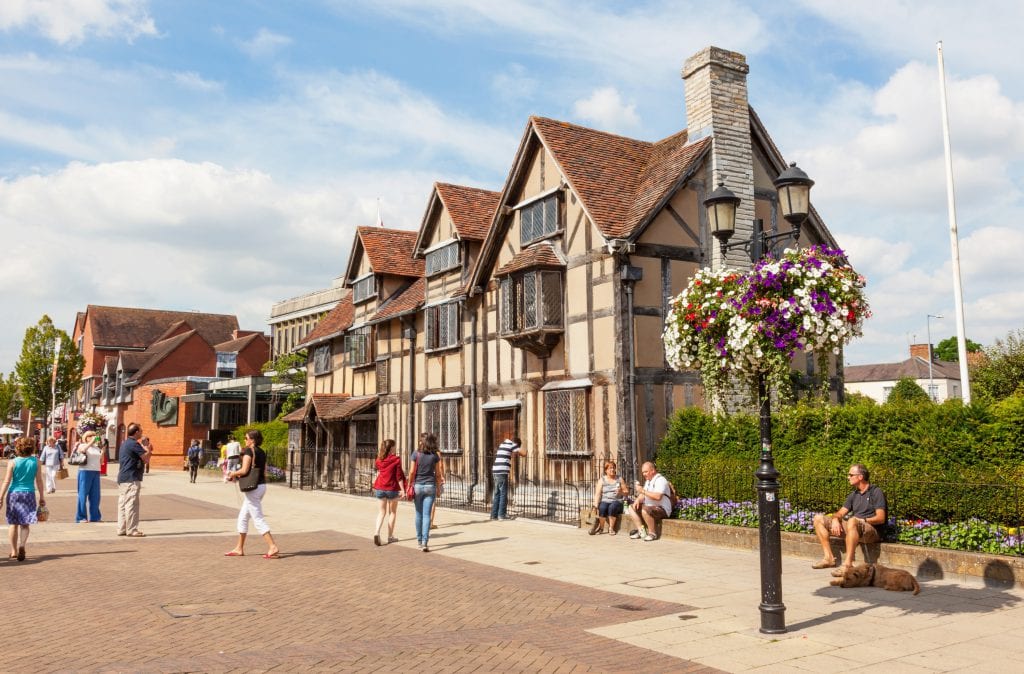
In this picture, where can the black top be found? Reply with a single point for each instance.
(259, 463)
(864, 505)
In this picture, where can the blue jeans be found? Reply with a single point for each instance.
(425, 495)
(499, 500)
(88, 490)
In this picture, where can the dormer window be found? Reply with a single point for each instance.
(364, 288)
(442, 258)
(540, 217)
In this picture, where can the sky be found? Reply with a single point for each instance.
(189, 155)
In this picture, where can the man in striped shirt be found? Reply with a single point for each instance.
(500, 471)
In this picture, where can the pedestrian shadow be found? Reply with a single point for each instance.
(316, 553)
(52, 556)
(476, 542)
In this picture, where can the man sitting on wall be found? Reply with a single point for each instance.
(652, 504)
(860, 519)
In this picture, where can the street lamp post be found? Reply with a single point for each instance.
(794, 188)
(931, 385)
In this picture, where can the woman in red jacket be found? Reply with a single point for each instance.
(389, 485)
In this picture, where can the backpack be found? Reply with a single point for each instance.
(194, 453)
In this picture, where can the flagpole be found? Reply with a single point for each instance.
(53, 386)
(954, 240)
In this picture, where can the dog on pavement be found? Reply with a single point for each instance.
(866, 575)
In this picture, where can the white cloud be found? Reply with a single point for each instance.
(193, 80)
(514, 83)
(264, 43)
(70, 22)
(606, 110)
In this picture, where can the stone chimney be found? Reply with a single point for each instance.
(715, 81)
(922, 351)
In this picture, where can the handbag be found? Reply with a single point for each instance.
(410, 488)
(250, 480)
(78, 458)
(62, 473)
(42, 513)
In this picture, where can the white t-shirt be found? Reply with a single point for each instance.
(658, 484)
(233, 449)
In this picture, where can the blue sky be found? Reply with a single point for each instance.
(187, 155)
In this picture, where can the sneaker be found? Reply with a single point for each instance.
(650, 537)
(634, 534)
(426, 549)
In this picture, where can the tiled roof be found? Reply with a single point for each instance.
(914, 368)
(120, 327)
(471, 209)
(339, 410)
(390, 250)
(238, 344)
(538, 256)
(295, 415)
(131, 361)
(401, 302)
(619, 179)
(160, 350)
(337, 321)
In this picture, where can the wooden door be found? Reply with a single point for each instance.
(501, 424)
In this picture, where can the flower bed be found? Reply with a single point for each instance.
(972, 535)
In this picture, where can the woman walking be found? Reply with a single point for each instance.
(89, 479)
(53, 460)
(388, 486)
(253, 458)
(18, 494)
(427, 477)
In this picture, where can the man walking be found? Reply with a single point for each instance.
(500, 473)
(195, 455)
(133, 457)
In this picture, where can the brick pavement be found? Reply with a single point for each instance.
(335, 603)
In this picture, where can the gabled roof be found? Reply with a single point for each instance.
(331, 407)
(131, 361)
(236, 345)
(338, 320)
(158, 351)
(390, 251)
(471, 209)
(402, 302)
(621, 182)
(540, 256)
(129, 328)
(913, 368)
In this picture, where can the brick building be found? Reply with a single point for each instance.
(139, 363)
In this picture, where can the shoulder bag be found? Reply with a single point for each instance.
(250, 480)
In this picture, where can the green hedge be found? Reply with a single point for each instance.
(936, 462)
(275, 441)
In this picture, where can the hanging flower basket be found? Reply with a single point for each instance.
(90, 421)
(734, 325)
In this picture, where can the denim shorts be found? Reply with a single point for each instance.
(382, 494)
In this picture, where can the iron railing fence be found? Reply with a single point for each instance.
(547, 488)
(940, 513)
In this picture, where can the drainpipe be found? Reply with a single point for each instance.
(472, 411)
(630, 275)
(410, 334)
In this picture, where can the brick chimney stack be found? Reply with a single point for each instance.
(715, 82)
(922, 351)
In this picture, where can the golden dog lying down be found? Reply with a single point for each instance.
(864, 575)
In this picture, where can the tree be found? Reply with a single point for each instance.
(10, 401)
(1002, 371)
(907, 391)
(948, 349)
(289, 369)
(35, 367)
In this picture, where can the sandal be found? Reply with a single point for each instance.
(824, 564)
